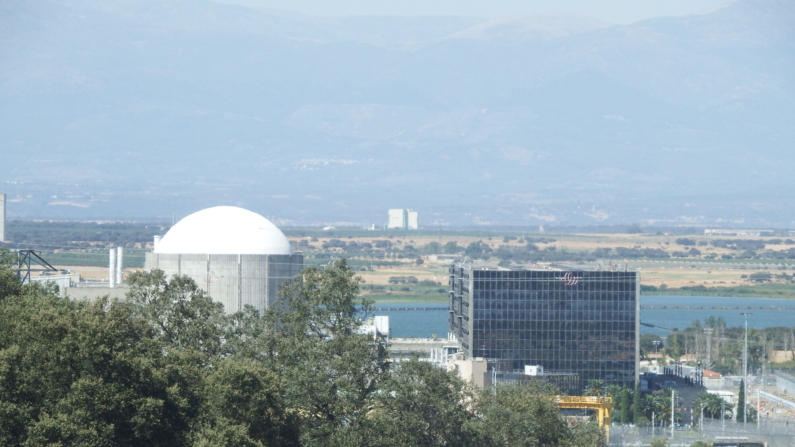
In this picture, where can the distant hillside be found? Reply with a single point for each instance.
(145, 109)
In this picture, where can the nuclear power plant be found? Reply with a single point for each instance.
(238, 257)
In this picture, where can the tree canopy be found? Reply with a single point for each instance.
(168, 367)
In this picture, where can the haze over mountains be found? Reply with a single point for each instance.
(139, 109)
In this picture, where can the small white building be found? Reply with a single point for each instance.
(732, 232)
(472, 370)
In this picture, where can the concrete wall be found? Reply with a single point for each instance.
(233, 280)
(62, 281)
(92, 293)
(472, 370)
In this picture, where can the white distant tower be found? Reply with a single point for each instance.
(397, 218)
(403, 219)
(2, 217)
(119, 265)
(112, 268)
(413, 220)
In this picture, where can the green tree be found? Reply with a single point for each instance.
(526, 415)
(180, 313)
(80, 373)
(432, 248)
(635, 228)
(418, 404)
(711, 405)
(626, 406)
(596, 387)
(637, 407)
(244, 406)
(9, 281)
(451, 248)
(742, 416)
(647, 345)
(312, 342)
(614, 391)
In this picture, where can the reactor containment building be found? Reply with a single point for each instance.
(237, 256)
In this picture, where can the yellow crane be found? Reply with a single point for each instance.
(602, 405)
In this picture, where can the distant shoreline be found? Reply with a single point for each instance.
(727, 292)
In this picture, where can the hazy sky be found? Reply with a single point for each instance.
(614, 11)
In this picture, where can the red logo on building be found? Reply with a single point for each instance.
(569, 279)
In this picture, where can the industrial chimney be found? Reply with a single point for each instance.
(120, 265)
(112, 269)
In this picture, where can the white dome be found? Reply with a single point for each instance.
(224, 230)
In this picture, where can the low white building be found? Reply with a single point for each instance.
(472, 370)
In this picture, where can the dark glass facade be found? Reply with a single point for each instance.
(568, 321)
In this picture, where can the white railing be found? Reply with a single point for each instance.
(776, 399)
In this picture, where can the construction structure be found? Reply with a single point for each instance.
(237, 256)
(579, 325)
(403, 219)
(602, 405)
(25, 261)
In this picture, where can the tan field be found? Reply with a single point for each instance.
(674, 272)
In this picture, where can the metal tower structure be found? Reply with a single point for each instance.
(24, 260)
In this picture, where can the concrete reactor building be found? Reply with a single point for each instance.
(238, 257)
(578, 325)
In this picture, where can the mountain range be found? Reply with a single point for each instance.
(144, 110)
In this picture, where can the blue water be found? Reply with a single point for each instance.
(427, 323)
(680, 319)
(416, 323)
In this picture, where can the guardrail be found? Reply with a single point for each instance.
(772, 397)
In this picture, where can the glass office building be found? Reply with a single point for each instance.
(580, 322)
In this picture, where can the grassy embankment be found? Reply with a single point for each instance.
(786, 291)
(415, 294)
(132, 258)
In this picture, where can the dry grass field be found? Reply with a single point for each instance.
(672, 272)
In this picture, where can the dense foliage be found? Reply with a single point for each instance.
(725, 344)
(169, 367)
(56, 235)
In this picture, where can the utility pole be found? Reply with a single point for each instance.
(745, 372)
(708, 331)
(673, 405)
(764, 362)
(722, 415)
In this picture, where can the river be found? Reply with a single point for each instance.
(425, 323)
